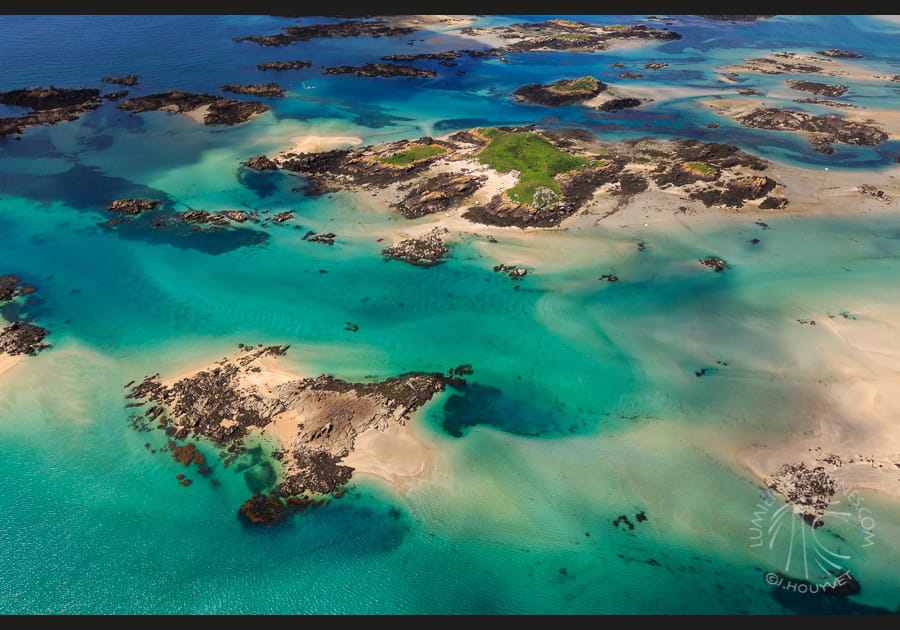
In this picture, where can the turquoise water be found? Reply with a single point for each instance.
(584, 404)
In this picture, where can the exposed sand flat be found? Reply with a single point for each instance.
(396, 455)
(432, 22)
(8, 362)
(315, 144)
(829, 66)
(854, 411)
(886, 119)
(199, 114)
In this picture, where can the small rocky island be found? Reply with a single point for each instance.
(387, 70)
(255, 89)
(283, 65)
(348, 28)
(128, 79)
(208, 109)
(49, 106)
(561, 92)
(529, 177)
(19, 336)
(315, 422)
(822, 131)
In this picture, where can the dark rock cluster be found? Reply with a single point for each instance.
(222, 111)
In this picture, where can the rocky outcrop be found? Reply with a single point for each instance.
(387, 70)
(822, 131)
(132, 206)
(128, 79)
(220, 110)
(19, 337)
(283, 65)
(255, 89)
(49, 106)
(440, 193)
(822, 89)
(809, 489)
(261, 163)
(348, 28)
(717, 264)
(244, 394)
(22, 338)
(426, 250)
(11, 288)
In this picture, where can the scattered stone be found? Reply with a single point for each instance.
(609, 277)
(871, 191)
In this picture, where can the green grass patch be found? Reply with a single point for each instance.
(574, 36)
(414, 153)
(584, 83)
(532, 155)
(702, 168)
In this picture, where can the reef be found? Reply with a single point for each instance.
(348, 28)
(219, 110)
(561, 92)
(283, 65)
(440, 193)
(387, 70)
(318, 418)
(616, 104)
(49, 106)
(426, 250)
(822, 89)
(255, 89)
